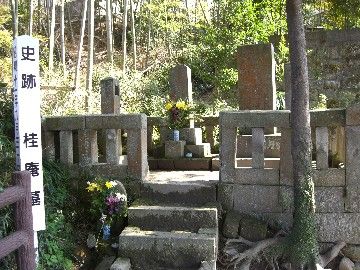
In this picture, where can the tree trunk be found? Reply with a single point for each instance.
(90, 53)
(31, 12)
(15, 20)
(62, 30)
(70, 24)
(82, 32)
(109, 41)
(304, 248)
(148, 43)
(124, 36)
(133, 32)
(52, 37)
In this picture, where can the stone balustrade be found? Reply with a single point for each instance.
(268, 192)
(74, 141)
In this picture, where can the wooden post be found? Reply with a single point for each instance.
(24, 222)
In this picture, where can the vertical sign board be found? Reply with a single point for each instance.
(26, 89)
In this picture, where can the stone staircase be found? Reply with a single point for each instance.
(177, 228)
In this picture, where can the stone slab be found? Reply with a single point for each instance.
(257, 176)
(110, 96)
(193, 194)
(331, 177)
(64, 123)
(124, 121)
(256, 199)
(327, 199)
(352, 155)
(169, 218)
(180, 83)
(106, 263)
(171, 250)
(271, 163)
(333, 227)
(226, 195)
(192, 164)
(231, 224)
(353, 199)
(327, 118)
(166, 164)
(192, 136)
(199, 151)
(253, 229)
(254, 118)
(353, 115)
(174, 149)
(121, 264)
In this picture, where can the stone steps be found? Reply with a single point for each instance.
(191, 193)
(166, 250)
(169, 218)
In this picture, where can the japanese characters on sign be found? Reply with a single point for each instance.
(26, 90)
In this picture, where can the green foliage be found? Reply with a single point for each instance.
(57, 241)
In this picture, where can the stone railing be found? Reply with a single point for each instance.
(268, 192)
(93, 143)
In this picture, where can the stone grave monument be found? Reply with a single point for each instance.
(257, 91)
(191, 137)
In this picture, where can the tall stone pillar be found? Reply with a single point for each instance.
(110, 104)
(256, 73)
(180, 85)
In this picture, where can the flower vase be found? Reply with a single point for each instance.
(106, 232)
(176, 135)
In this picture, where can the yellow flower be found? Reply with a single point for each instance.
(92, 186)
(108, 184)
(168, 106)
(181, 105)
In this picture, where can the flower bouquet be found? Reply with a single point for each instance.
(106, 202)
(179, 115)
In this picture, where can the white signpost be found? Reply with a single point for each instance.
(26, 89)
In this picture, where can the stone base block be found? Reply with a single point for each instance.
(191, 135)
(199, 151)
(174, 149)
(121, 264)
(166, 250)
(170, 218)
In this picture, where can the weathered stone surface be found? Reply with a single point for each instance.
(111, 146)
(256, 70)
(88, 148)
(271, 146)
(227, 151)
(322, 148)
(199, 151)
(352, 199)
(121, 264)
(269, 163)
(108, 170)
(192, 164)
(169, 218)
(174, 149)
(64, 123)
(232, 224)
(353, 115)
(352, 252)
(256, 176)
(106, 263)
(333, 227)
(331, 177)
(286, 173)
(252, 118)
(352, 155)
(253, 229)
(191, 135)
(49, 145)
(123, 121)
(346, 264)
(166, 164)
(257, 148)
(226, 195)
(110, 96)
(137, 153)
(256, 199)
(327, 118)
(327, 199)
(174, 250)
(184, 193)
(180, 83)
(66, 147)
